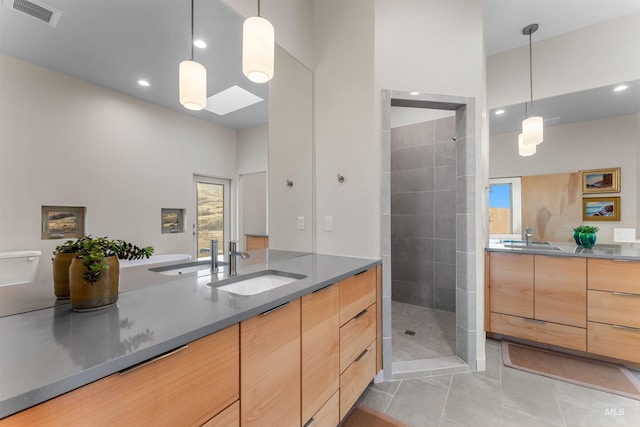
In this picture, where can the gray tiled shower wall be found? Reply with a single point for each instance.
(423, 214)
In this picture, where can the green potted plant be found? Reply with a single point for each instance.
(94, 269)
(585, 235)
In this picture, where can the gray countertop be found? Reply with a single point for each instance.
(621, 252)
(49, 351)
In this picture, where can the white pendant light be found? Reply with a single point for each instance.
(525, 150)
(532, 127)
(193, 80)
(258, 48)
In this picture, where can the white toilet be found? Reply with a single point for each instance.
(18, 267)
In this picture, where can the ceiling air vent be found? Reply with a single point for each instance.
(35, 9)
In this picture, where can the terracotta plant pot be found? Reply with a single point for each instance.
(87, 296)
(61, 264)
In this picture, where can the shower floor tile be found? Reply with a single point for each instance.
(435, 332)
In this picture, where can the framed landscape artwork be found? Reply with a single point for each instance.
(601, 208)
(601, 180)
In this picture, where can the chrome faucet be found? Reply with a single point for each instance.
(528, 236)
(213, 250)
(233, 257)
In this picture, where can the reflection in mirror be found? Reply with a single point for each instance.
(592, 129)
(77, 130)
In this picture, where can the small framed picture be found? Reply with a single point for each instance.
(601, 180)
(601, 208)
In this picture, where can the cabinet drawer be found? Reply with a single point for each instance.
(610, 275)
(230, 417)
(356, 378)
(328, 415)
(620, 343)
(539, 331)
(356, 294)
(188, 387)
(356, 335)
(615, 308)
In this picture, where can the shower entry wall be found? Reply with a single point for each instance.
(428, 228)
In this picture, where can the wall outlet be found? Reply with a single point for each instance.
(624, 235)
(300, 223)
(328, 223)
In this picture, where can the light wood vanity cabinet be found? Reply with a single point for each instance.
(270, 367)
(187, 387)
(358, 333)
(321, 356)
(538, 298)
(614, 309)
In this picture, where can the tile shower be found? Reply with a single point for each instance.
(423, 239)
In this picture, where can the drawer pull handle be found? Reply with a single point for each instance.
(361, 355)
(361, 272)
(311, 422)
(322, 289)
(625, 294)
(627, 328)
(264, 313)
(535, 320)
(152, 360)
(622, 260)
(362, 313)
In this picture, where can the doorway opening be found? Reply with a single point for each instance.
(428, 189)
(212, 215)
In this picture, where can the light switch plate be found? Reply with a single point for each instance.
(300, 223)
(328, 223)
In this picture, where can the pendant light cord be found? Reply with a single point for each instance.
(192, 30)
(530, 71)
(258, 7)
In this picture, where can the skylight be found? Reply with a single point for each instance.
(230, 100)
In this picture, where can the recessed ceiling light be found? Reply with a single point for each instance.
(230, 100)
(499, 112)
(415, 93)
(620, 88)
(200, 44)
(143, 82)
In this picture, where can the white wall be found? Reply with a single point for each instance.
(64, 141)
(346, 137)
(252, 148)
(595, 56)
(596, 144)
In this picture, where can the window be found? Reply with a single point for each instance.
(59, 222)
(172, 220)
(505, 208)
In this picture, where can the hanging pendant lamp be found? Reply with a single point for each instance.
(525, 150)
(532, 126)
(193, 80)
(258, 47)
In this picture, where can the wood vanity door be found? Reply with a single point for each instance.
(561, 290)
(511, 284)
(270, 368)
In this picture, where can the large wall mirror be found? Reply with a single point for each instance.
(586, 130)
(77, 128)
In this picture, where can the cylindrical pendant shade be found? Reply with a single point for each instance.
(525, 150)
(193, 85)
(258, 45)
(532, 130)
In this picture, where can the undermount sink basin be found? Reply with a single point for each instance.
(256, 283)
(187, 267)
(536, 246)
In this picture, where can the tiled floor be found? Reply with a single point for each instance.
(435, 332)
(499, 397)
